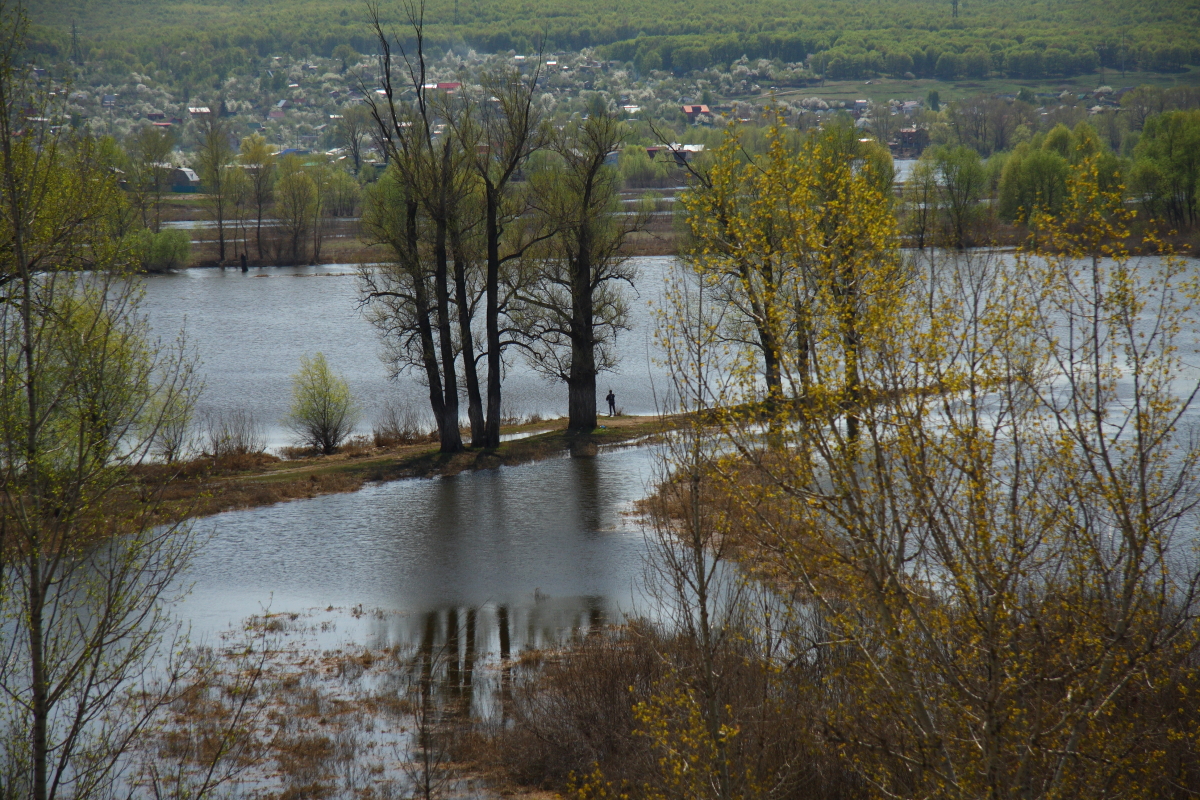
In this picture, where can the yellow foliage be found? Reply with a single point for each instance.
(972, 484)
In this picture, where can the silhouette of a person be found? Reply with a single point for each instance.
(612, 403)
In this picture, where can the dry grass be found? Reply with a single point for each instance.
(208, 485)
(574, 709)
(315, 723)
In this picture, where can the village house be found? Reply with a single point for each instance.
(911, 142)
(184, 179)
(681, 154)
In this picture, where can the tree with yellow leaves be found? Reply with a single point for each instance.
(1002, 558)
(976, 509)
(797, 243)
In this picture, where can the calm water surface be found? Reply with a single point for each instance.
(519, 556)
(250, 330)
(552, 543)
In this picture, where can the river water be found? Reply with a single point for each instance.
(517, 556)
(552, 546)
(520, 556)
(250, 330)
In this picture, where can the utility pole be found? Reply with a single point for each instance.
(76, 52)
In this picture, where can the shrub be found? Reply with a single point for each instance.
(162, 251)
(233, 434)
(399, 423)
(323, 411)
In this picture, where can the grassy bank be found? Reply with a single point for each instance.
(206, 486)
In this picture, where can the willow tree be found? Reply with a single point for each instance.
(323, 412)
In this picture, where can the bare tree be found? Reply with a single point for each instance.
(1141, 104)
(354, 131)
(259, 163)
(427, 762)
(429, 168)
(506, 130)
(571, 306)
(322, 178)
(921, 200)
(881, 121)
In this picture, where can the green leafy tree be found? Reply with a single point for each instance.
(295, 208)
(82, 610)
(323, 411)
(1166, 172)
(1033, 181)
(162, 251)
(962, 180)
(1059, 141)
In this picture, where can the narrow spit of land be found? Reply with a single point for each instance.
(207, 486)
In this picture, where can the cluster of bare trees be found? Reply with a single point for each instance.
(491, 212)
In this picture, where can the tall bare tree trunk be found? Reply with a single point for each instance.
(467, 339)
(581, 385)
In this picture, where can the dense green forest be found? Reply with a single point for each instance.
(928, 38)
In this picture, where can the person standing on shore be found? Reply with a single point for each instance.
(612, 403)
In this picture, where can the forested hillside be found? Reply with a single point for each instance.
(929, 38)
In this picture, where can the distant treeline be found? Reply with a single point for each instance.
(923, 54)
(1020, 38)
